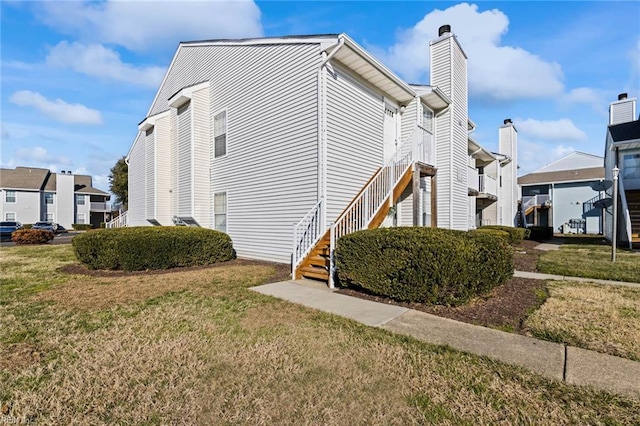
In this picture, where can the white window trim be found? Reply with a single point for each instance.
(15, 196)
(53, 198)
(84, 218)
(46, 217)
(226, 132)
(226, 210)
(6, 218)
(84, 200)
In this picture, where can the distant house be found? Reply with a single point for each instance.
(32, 194)
(288, 143)
(622, 150)
(562, 195)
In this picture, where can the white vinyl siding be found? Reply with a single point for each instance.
(150, 178)
(354, 126)
(184, 162)
(163, 170)
(448, 72)
(200, 104)
(220, 211)
(136, 215)
(10, 196)
(269, 93)
(220, 134)
(409, 120)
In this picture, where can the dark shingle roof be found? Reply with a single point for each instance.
(625, 131)
(593, 173)
(23, 178)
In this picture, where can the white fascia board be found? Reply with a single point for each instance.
(476, 149)
(322, 40)
(186, 93)
(149, 122)
(379, 66)
(432, 96)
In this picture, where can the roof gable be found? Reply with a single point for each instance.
(23, 178)
(575, 160)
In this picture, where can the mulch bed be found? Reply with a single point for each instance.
(505, 307)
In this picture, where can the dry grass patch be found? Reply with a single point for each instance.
(90, 292)
(197, 347)
(591, 316)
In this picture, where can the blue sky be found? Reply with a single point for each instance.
(77, 77)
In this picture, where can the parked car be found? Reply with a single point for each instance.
(8, 228)
(46, 226)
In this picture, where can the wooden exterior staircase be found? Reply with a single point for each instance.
(314, 242)
(633, 202)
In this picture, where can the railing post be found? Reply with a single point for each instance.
(293, 253)
(332, 246)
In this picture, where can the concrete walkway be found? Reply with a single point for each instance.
(539, 276)
(565, 363)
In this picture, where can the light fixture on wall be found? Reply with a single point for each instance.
(402, 109)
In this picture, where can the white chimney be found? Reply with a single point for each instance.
(623, 110)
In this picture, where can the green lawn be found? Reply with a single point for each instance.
(591, 261)
(197, 347)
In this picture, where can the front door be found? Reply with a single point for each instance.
(390, 131)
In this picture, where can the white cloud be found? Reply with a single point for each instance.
(551, 130)
(38, 155)
(145, 25)
(596, 99)
(495, 71)
(99, 61)
(535, 155)
(57, 109)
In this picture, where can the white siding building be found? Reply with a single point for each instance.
(254, 136)
(32, 194)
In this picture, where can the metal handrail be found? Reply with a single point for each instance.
(625, 212)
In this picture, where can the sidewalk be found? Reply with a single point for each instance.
(539, 276)
(565, 363)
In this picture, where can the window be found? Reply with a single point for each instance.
(80, 199)
(81, 218)
(220, 211)
(48, 197)
(631, 166)
(220, 134)
(10, 217)
(49, 217)
(10, 196)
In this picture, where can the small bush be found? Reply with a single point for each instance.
(81, 226)
(515, 234)
(103, 224)
(425, 265)
(540, 233)
(27, 226)
(157, 247)
(31, 236)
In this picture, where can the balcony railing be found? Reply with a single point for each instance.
(488, 185)
(100, 207)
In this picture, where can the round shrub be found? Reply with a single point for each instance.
(31, 236)
(515, 234)
(82, 226)
(158, 247)
(424, 265)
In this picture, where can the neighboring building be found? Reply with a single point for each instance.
(254, 136)
(31, 194)
(622, 149)
(562, 195)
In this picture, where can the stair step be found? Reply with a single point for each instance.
(322, 261)
(313, 272)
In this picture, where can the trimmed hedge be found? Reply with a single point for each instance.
(82, 226)
(540, 233)
(515, 234)
(157, 247)
(31, 236)
(497, 232)
(425, 265)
